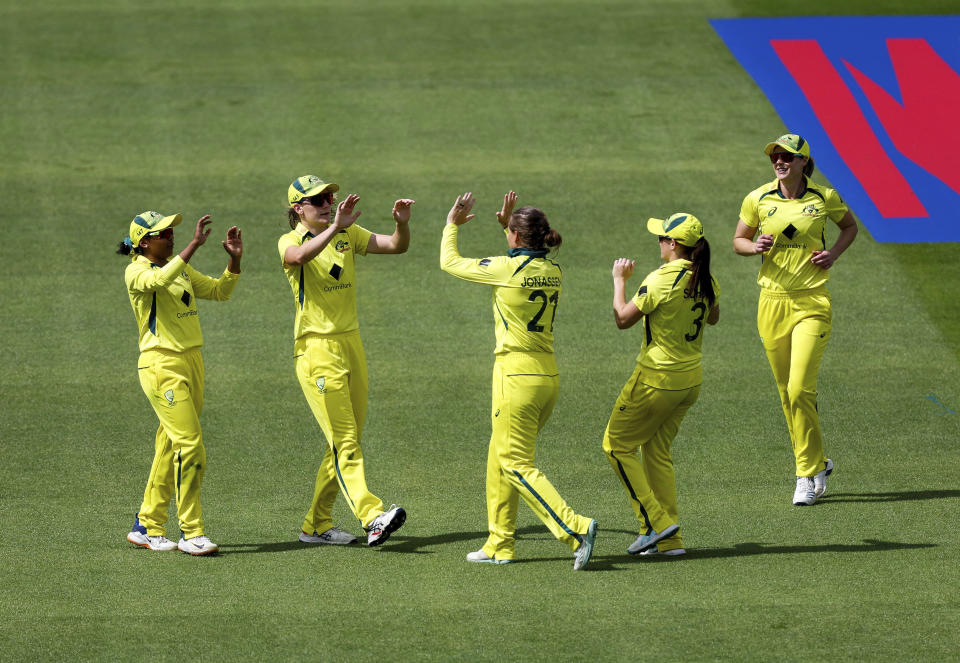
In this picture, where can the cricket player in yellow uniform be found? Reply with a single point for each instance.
(163, 291)
(318, 260)
(676, 302)
(526, 293)
(794, 315)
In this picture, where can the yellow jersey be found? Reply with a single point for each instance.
(673, 327)
(324, 289)
(164, 300)
(797, 226)
(526, 292)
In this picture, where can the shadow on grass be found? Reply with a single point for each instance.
(398, 543)
(757, 548)
(899, 496)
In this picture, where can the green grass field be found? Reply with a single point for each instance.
(601, 113)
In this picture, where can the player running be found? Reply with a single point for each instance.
(163, 292)
(676, 302)
(794, 315)
(318, 259)
(526, 292)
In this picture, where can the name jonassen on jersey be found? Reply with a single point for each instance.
(541, 282)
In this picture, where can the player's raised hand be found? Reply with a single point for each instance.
(460, 212)
(509, 201)
(201, 232)
(401, 210)
(623, 268)
(346, 214)
(233, 244)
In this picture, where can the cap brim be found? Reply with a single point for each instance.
(169, 221)
(768, 150)
(655, 226)
(328, 186)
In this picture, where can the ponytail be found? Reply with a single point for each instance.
(533, 229)
(701, 283)
(126, 247)
(808, 167)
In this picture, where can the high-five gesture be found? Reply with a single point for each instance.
(459, 214)
(623, 268)
(509, 202)
(233, 245)
(201, 232)
(346, 214)
(401, 210)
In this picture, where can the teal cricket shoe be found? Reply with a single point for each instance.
(647, 541)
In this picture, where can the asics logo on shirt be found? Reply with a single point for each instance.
(772, 211)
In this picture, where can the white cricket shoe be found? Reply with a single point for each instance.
(805, 494)
(138, 536)
(385, 524)
(198, 545)
(333, 536)
(158, 543)
(482, 558)
(648, 541)
(582, 556)
(820, 480)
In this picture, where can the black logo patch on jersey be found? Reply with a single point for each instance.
(185, 298)
(790, 231)
(485, 262)
(335, 271)
(642, 291)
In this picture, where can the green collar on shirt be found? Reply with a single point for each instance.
(534, 253)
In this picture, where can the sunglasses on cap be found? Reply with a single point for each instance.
(166, 233)
(318, 200)
(785, 157)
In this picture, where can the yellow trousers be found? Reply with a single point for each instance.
(332, 371)
(525, 389)
(637, 441)
(795, 328)
(173, 383)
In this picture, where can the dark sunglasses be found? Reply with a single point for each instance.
(166, 233)
(786, 157)
(319, 200)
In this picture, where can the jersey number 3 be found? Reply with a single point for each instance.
(541, 296)
(699, 306)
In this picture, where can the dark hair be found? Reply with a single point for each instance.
(125, 248)
(701, 283)
(808, 167)
(533, 229)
